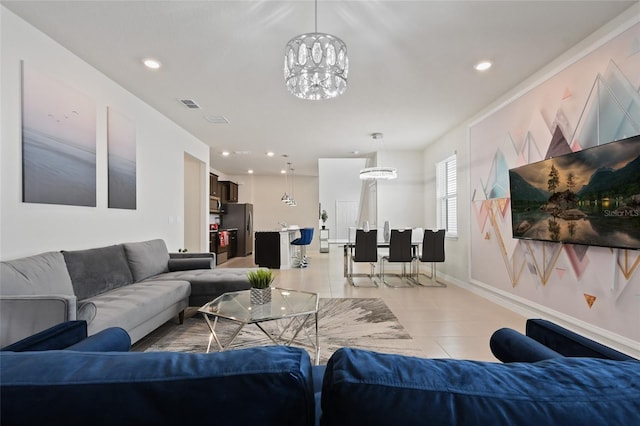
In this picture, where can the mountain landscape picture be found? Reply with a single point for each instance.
(587, 197)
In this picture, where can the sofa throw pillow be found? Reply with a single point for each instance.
(98, 270)
(147, 258)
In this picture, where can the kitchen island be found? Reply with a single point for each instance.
(273, 248)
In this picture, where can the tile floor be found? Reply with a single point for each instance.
(446, 322)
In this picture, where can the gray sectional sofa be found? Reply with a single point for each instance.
(136, 286)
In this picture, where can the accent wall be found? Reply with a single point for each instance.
(589, 95)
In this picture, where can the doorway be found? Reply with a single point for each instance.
(194, 212)
(346, 217)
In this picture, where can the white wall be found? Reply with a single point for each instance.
(401, 200)
(27, 228)
(194, 187)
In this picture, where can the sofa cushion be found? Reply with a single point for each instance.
(128, 307)
(256, 386)
(147, 258)
(367, 388)
(95, 271)
(45, 273)
(207, 284)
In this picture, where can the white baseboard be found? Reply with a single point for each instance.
(528, 309)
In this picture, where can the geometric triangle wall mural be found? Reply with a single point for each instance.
(594, 101)
(590, 299)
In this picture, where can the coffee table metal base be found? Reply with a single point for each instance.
(293, 324)
(280, 339)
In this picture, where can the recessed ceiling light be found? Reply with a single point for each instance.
(225, 153)
(270, 154)
(216, 119)
(151, 63)
(283, 171)
(482, 66)
(250, 171)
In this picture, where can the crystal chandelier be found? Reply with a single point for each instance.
(316, 65)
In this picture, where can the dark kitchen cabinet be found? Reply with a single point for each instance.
(228, 191)
(213, 185)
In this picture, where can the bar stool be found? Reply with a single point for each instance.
(306, 236)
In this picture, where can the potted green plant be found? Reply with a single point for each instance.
(324, 216)
(260, 281)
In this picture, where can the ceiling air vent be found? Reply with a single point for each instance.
(190, 103)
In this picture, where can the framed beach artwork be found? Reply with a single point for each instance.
(121, 135)
(58, 142)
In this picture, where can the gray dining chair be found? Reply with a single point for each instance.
(365, 250)
(432, 251)
(400, 251)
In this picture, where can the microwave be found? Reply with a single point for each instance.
(215, 206)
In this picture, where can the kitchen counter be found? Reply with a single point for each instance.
(273, 248)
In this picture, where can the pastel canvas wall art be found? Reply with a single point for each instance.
(58, 142)
(122, 161)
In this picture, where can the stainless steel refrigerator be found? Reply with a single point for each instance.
(240, 216)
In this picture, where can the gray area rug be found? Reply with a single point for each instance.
(357, 323)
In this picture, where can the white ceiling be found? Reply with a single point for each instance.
(411, 65)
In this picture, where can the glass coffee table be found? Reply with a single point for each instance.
(293, 307)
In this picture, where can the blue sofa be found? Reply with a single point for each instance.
(59, 376)
(62, 384)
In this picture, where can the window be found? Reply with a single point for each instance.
(446, 194)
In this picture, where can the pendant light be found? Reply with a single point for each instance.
(286, 198)
(378, 172)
